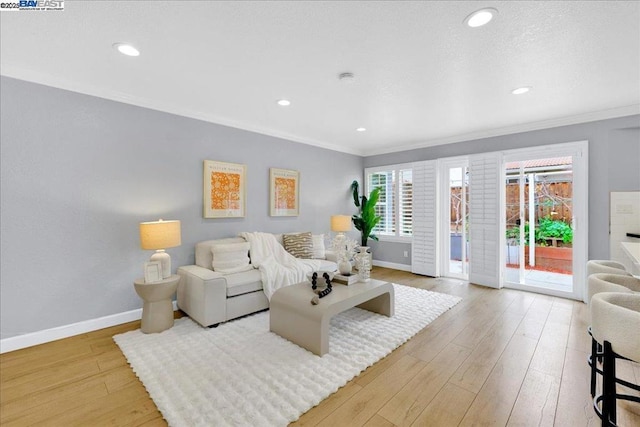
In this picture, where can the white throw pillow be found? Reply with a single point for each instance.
(231, 258)
(318, 246)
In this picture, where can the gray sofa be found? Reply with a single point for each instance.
(210, 298)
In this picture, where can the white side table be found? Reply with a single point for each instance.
(157, 311)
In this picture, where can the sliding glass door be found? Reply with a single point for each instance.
(515, 218)
(540, 217)
(539, 223)
(455, 217)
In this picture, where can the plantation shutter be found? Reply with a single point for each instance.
(424, 254)
(405, 197)
(484, 219)
(385, 208)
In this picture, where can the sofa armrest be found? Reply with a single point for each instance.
(202, 294)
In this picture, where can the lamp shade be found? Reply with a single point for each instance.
(160, 234)
(340, 223)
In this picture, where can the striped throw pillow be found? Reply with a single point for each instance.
(299, 245)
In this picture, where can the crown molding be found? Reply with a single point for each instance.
(61, 83)
(64, 84)
(629, 110)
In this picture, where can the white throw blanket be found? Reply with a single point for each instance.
(278, 267)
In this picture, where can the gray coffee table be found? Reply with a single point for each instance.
(292, 316)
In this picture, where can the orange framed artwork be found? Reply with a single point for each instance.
(224, 189)
(284, 186)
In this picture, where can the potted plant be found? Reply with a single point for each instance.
(366, 220)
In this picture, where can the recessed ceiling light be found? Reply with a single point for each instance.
(346, 77)
(480, 17)
(361, 129)
(126, 49)
(521, 90)
(284, 102)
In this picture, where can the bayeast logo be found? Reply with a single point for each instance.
(33, 5)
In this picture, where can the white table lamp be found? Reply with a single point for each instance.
(340, 224)
(160, 235)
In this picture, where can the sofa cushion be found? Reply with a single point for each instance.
(318, 251)
(229, 258)
(204, 256)
(243, 283)
(299, 245)
(326, 265)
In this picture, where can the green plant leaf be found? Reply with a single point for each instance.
(367, 219)
(547, 229)
(356, 197)
(374, 196)
(357, 222)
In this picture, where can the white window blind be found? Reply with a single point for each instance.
(396, 198)
(385, 207)
(484, 219)
(424, 245)
(405, 202)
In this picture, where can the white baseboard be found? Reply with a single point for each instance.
(53, 334)
(395, 266)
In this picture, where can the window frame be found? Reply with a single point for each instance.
(397, 236)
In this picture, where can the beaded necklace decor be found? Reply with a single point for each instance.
(314, 285)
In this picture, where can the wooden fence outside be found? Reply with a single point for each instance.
(553, 199)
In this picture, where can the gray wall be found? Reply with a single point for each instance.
(78, 175)
(614, 165)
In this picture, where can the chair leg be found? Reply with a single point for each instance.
(599, 352)
(609, 386)
(593, 362)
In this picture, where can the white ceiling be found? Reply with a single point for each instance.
(421, 77)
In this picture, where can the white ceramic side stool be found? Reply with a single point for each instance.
(157, 311)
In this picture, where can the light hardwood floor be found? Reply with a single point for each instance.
(499, 357)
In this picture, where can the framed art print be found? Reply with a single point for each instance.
(152, 271)
(224, 189)
(284, 188)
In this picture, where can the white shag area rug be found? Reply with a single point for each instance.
(240, 374)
